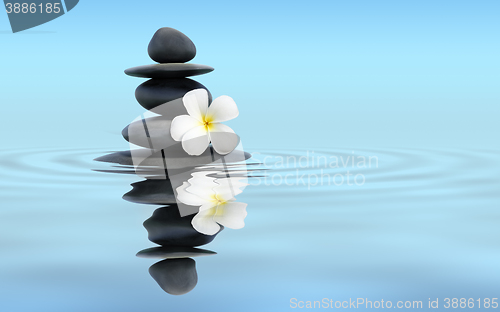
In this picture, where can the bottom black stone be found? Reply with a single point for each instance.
(175, 276)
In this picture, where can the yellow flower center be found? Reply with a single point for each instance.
(219, 207)
(207, 123)
(218, 200)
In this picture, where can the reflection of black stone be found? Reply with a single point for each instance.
(122, 158)
(155, 92)
(145, 159)
(175, 276)
(167, 228)
(174, 252)
(169, 45)
(162, 71)
(150, 164)
(155, 192)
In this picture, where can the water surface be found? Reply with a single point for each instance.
(423, 224)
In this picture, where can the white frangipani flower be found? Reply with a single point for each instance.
(203, 124)
(216, 198)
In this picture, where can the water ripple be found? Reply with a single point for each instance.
(45, 167)
(395, 172)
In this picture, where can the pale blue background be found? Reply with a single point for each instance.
(402, 80)
(320, 73)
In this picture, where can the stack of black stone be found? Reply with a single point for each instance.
(172, 49)
(167, 228)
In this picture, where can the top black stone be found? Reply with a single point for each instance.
(169, 45)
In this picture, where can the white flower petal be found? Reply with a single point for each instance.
(231, 215)
(196, 103)
(208, 206)
(223, 138)
(222, 109)
(204, 223)
(203, 178)
(188, 198)
(206, 183)
(228, 188)
(181, 125)
(207, 194)
(195, 141)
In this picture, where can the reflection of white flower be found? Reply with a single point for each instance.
(216, 200)
(196, 129)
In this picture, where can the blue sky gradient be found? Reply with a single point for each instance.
(304, 74)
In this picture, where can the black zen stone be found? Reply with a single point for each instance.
(155, 92)
(167, 228)
(169, 45)
(154, 192)
(172, 70)
(175, 276)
